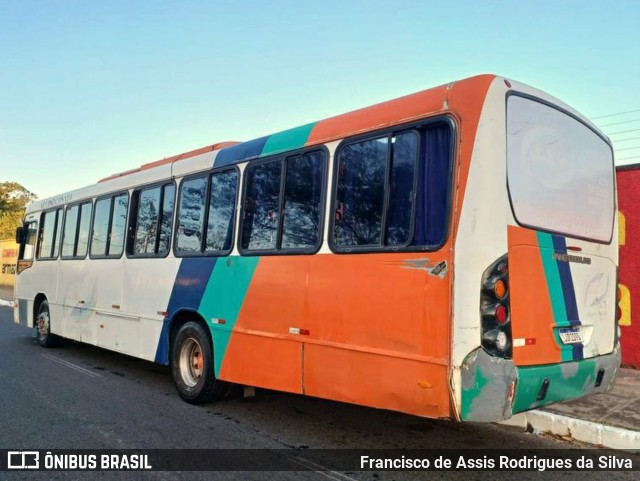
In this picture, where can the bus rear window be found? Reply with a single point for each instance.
(560, 172)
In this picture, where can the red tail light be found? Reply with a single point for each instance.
(501, 314)
(494, 310)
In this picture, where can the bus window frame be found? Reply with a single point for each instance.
(55, 246)
(418, 126)
(112, 196)
(79, 204)
(207, 174)
(284, 157)
(533, 98)
(22, 245)
(131, 227)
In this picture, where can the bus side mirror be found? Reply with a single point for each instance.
(20, 235)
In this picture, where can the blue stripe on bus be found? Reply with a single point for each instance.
(240, 152)
(568, 290)
(188, 289)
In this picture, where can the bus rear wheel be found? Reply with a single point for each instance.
(43, 326)
(192, 365)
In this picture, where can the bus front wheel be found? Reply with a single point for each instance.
(192, 365)
(43, 325)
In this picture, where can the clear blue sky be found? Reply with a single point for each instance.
(90, 88)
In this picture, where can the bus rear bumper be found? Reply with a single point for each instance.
(493, 389)
(565, 381)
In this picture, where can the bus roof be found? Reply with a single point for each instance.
(386, 114)
(168, 160)
(457, 96)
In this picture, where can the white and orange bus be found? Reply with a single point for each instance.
(450, 254)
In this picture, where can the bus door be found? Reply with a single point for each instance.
(116, 328)
(75, 274)
(25, 292)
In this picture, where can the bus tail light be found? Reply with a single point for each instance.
(495, 310)
(500, 289)
(501, 314)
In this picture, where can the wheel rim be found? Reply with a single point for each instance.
(43, 324)
(191, 362)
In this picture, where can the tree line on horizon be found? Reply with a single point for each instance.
(13, 202)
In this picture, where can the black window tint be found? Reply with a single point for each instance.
(118, 224)
(360, 193)
(191, 215)
(47, 235)
(302, 201)
(70, 228)
(100, 227)
(168, 201)
(260, 222)
(394, 191)
(147, 221)
(401, 195)
(222, 202)
(431, 219)
(83, 230)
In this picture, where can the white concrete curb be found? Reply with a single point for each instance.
(578, 429)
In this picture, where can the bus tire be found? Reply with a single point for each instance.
(192, 365)
(43, 326)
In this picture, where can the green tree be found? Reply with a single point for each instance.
(13, 200)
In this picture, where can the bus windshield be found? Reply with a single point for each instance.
(560, 172)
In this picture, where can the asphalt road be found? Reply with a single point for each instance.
(80, 397)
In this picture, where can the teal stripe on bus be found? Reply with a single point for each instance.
(291, 139)
(223, 299)
(556, 294)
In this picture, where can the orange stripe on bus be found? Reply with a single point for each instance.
(531, 310)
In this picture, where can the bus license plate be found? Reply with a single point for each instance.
(570, 335)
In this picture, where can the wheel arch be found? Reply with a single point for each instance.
(180, 318)
(40, 297)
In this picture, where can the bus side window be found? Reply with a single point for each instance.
(27, 251)
(434, 186)
(404, 158)
(222, 202)
(302, 205)
(118, 225)
(152, 217)
(84, 227)
(146, 221)
(75, 235)
(110, 219)
(393, 192)
(70, 228)
(262, 206)
(191, 211)
(360, 192)
(166, 218)
(46, 244)
(100, 227)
